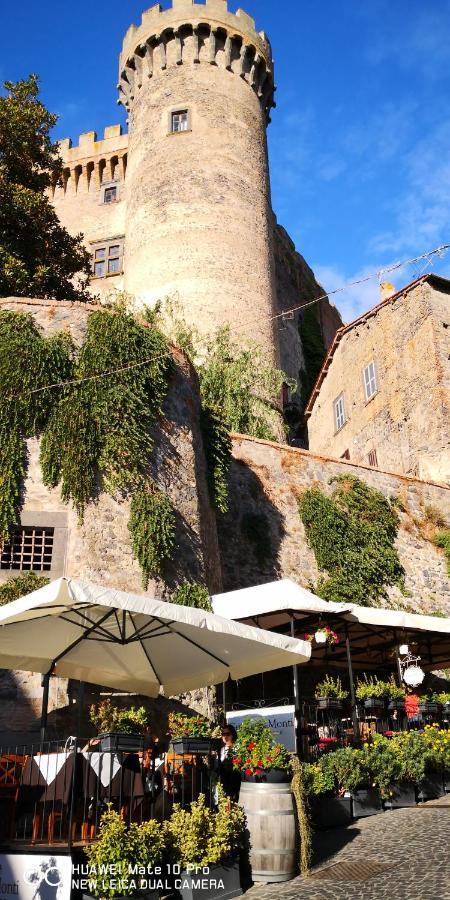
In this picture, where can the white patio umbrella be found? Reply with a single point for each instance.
(134, 643)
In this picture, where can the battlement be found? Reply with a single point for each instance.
(89, 147)
(219, 38)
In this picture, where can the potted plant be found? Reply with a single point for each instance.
(206, 845)
(125, 861)
(373, 693)
(436, 759)
(329, 693)
(396, 696)
(257, 756)
(353, 778)
(192, 734)
(120, 729)
(327, 810)
(323, 635)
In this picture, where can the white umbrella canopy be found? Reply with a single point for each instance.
(134, 643)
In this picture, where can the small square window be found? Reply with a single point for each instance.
(370, 381)
(180, 120)
(107, 259)
(29, 549)
(339, 412)
(110, 195)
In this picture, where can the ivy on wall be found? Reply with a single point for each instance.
(190, 593)
(20, 586)
(352, 534)
(96, 430)
(217, 446)
(442, 540)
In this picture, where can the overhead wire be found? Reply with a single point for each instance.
(428, 255)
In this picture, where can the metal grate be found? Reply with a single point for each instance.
(30, 549)
(354, 870)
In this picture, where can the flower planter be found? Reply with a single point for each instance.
(269, 776)
(192, 745)
(403, 794)
(116, 741)
(396, 704)
(429, 708)
(219, 882)
(330, 812)
(431, 787)
(329, 703)
(376, 704)
(366, 803)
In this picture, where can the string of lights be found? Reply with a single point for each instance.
(428, 255)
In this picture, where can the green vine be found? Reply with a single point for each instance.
(190, 593)
(152, 527)
(28, 361)
(352, 534)
(217, 445)
(21, 586)
(442, 540)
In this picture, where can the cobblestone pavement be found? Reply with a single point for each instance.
(412, 844)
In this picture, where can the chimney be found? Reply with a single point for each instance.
(386, 290)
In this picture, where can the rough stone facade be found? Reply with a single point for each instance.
(267, 479)
(192, 212)
(99, 550)
(406, 421)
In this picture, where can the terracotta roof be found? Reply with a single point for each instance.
(437, 280)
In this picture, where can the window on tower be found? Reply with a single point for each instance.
(107, 259)
(179, 120)
(110, 194)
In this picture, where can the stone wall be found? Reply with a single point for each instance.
(99, 550)
(406, 421)
(267, 479)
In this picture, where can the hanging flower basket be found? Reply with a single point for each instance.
(323, 636)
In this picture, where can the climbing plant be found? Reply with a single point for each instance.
(190, 593)
(442, 540)
(20, 586)
(352, 534)
(152, 527)
(28, 362)
(313, 350)
(217, 445)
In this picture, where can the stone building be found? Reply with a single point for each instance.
(382, 397)
(180, 207)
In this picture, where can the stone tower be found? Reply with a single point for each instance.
(197, 82)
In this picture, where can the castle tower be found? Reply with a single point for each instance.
(197, 82)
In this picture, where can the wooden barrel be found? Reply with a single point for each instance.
(272, 826)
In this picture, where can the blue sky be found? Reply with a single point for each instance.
(359, 141)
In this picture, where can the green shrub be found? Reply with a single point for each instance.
(119, 848)
(21, 586)
(201, 837)
(190, 593)
(330, 687)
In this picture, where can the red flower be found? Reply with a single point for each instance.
(258, 771)
(237, 761)
(249, 771)
(251, 746)
(260, 764)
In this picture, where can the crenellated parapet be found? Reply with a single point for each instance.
(191, 33)
(92, 162)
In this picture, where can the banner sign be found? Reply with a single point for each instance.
(280, 719)
(35, 876)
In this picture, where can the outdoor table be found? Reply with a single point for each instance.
(111, 777)
(46, 788)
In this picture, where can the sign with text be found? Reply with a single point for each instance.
(35, 876)
(280, 719)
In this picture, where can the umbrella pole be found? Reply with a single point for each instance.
(352, 685)
(44, 711)
(297, 711)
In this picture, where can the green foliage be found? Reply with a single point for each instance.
(181, 725)
(433, 514)
(371, 688)
(300, 792)
(347, 767)
(317, 779)
(352, 534)
(331, 687)
(256, 750)
(152, 527)
(106, 717)
(38, 257)
(313, 350)
(442, 540)
(21, 586)
(118, 849)
(189, 593)
(28, 362)
(201, 837)
(217, 444)
(255, 527)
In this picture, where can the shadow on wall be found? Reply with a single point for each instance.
(250, 533)
(17, 707)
